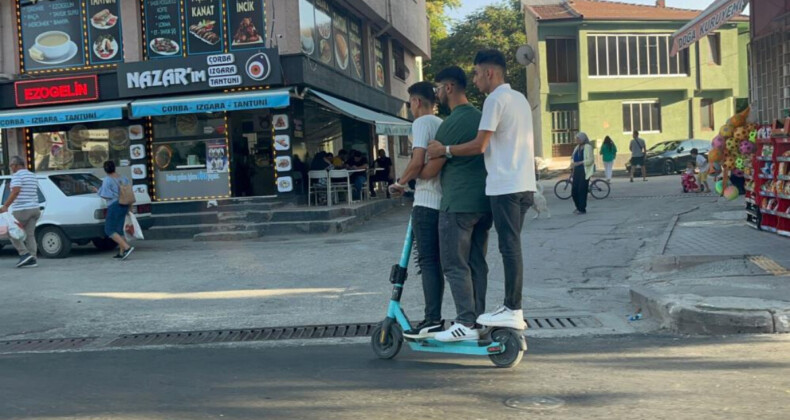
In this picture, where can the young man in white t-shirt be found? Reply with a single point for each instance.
(505, 138)
(425, 214)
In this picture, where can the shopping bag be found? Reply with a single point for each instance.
(131, 228)
(3, 228)
(15, 229)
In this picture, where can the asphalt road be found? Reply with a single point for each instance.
(623, 377)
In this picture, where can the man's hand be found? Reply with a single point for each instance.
(396, 190)
(435, 150)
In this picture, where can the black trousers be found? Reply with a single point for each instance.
(425, 224)
(580, 189)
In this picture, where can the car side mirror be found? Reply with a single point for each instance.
(680, 149)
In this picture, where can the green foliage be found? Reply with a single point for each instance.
(499, 26)
(437, 14)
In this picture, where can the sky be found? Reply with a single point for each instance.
(469, 6)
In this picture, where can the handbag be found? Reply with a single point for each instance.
(125, 194)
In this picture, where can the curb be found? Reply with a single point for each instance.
(682, 314)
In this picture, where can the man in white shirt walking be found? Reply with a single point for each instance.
(425, 214)
(23, 204)
(505, 137)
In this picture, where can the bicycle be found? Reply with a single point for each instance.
(599, 188)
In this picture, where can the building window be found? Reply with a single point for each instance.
(404, 146)
(706, 114)
(634, 55)
(642, 116)
(561, 60)
(399, 61)
(714, 45)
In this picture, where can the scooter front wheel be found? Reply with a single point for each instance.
(386, 344)
(513, 353)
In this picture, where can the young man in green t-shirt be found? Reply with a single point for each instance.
(465, 211)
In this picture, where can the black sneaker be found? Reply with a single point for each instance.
(24, 260)
(29, 263)
(127, 253)
(118, 256)
(425, 329)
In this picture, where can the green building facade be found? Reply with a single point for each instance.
(609, 75)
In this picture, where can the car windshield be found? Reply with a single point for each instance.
(76, 184)
(665, 146)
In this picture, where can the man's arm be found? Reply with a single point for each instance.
(415, 166)
(432, 168)
(475, 147)
(14, 194)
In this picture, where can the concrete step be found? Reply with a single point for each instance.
(234, 204)
(226, 236)
(180, 219)
(240, 230)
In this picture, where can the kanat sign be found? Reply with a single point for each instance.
(194, 74)
(56, 91)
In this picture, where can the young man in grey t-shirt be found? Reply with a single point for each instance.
(638, 151)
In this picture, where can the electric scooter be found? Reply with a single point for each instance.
(504, 346)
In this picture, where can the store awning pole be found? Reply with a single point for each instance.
(708, 21)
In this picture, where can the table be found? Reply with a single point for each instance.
(347, 173)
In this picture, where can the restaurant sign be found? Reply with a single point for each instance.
(56, 91)
(202, 73)
(708, 21)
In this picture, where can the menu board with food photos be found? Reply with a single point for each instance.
(52, 35)
(246, 24)
(204, 26)
(323, 23)
(307, 28)
(105, 44)
(379, 74)
(357, 55)
(163, 28)
(340, 25)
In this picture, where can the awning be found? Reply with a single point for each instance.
(71, 114)
(386, 125)
(274, 98)
(709, 20)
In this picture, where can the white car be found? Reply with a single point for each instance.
(71, 213)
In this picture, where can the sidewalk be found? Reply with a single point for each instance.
(718, 276)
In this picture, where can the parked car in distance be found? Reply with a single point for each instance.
(671, 157)
(72, 213)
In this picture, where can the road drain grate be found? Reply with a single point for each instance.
(16, 346)
(561, 323)
(235, 336)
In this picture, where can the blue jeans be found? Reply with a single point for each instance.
(116, 216)
(359, 183)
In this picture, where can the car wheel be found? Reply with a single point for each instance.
(104, 244)
(53, 243)
(669, 167)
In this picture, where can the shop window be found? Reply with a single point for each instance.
(561, 60)
(706, 114)
(85, 146)
(404, 146)
(644, 117)
(714, 46)
(190, 157)
(399, 61)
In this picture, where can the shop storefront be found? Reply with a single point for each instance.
(207, 113)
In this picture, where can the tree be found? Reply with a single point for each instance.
(437, 14)
(499, 26)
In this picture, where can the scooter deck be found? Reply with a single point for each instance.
(470, 347)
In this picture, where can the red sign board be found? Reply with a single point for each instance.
(57, 91)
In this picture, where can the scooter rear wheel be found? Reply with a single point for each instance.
(392, 342)
(512, 342)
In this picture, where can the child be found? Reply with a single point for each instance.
(688, 180)
(702, 164)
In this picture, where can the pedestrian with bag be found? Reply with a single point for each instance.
(582, 168)
(24, 207)
(608, 155)
(117, 191)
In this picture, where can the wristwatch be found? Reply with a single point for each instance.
(447, 153)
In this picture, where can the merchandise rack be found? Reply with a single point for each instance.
(768, 185)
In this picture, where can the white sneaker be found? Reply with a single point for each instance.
(503, 317)
(458, 332)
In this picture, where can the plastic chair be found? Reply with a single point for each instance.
(315, 186)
